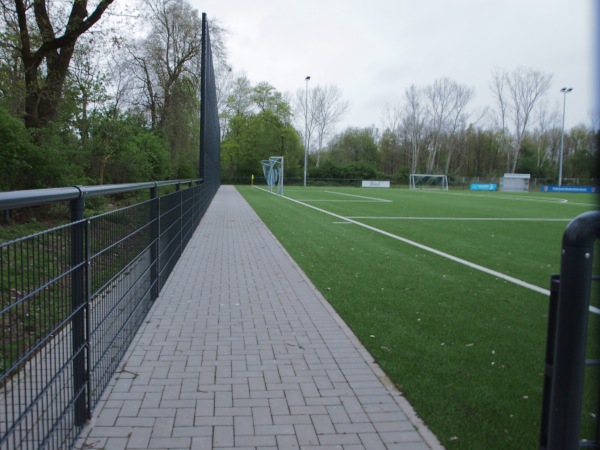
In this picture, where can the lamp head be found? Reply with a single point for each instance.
(307, 78)
(565, 90)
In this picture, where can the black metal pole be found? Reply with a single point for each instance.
(78, 304)
(154, 243)
(571, 331)
(549, 360)
(203, 100)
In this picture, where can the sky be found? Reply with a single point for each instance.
(374, 50)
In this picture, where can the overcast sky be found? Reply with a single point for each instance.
(373, 50)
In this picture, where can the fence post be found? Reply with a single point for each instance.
(549, 360)
(78, 305)
(154, 242)
(180, 218)
(571, 331)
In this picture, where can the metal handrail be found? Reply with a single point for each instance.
(36, 197)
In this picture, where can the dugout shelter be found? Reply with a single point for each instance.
(515, 182)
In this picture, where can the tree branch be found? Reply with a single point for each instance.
(76, 27)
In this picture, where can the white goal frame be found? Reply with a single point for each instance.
(273, 171)
(432, 181)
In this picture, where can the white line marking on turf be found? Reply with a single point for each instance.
(505, 197)
(464, 262)
(562, 201)
(512, 219)
(360, 196)
(341, 201)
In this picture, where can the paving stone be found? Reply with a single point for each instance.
(170, 443)
(140, 437)
(223, 436)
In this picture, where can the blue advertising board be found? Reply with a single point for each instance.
(483, 186)
(577, 189)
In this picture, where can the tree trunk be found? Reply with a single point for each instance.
(51, 93)
(42, 102)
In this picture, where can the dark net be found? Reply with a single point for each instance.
(210, 134)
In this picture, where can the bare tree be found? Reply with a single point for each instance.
(446, 101)
(546, 120)
(392, 117)
(327, 109)
(171, 47)
(165, 68)
(517, 93)
(413, 123)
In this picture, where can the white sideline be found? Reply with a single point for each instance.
(474, 219)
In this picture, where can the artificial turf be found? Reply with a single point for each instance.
(465, 348)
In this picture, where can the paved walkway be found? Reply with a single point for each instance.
(241, 351)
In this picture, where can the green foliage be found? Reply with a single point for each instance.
(43, 158)
(356, 171)
(16, 151)
(267, 98)
(123, 151)
(181, 126)
(482, 156)
(258, 128)
(354, 145)
(12, 83)
(255, 137)
(530, 161)
(59, 159)
(402, 175)
(119, 149)
(390, 152)
(580, 158)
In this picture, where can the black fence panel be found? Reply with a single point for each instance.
(120, 282)
(36, 353)
(571, 406)
(72, 299)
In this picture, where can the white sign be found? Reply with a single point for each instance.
(376, 183)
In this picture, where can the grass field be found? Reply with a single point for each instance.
(446, 289)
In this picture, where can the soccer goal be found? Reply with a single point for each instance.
(423, 181)
(273, 171)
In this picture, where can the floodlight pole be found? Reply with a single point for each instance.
(564, 90)
(306, 130)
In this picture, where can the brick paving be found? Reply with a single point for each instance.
(241, 351)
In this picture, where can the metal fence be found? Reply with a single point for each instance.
(73, 297)
(571, 401)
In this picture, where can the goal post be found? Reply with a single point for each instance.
(428, 181)
(273, 171)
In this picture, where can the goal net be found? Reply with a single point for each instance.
(273, 171)
(428, 181)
